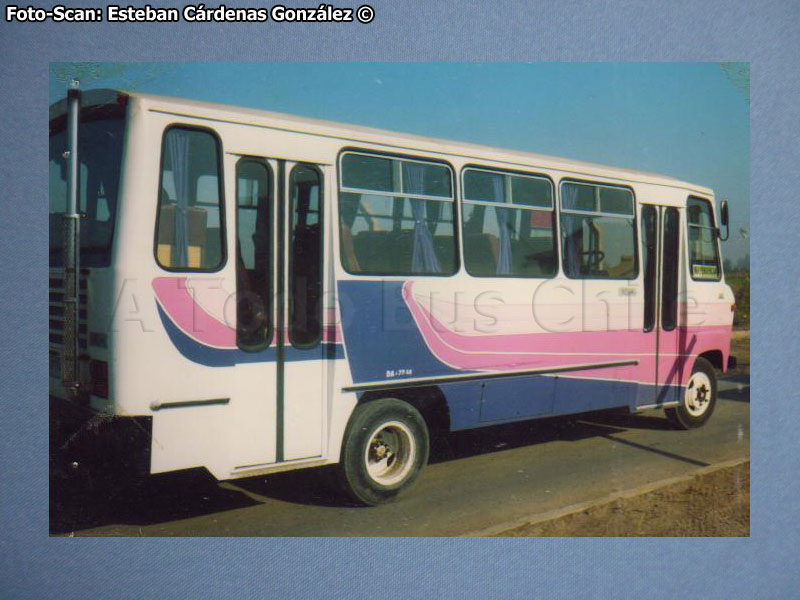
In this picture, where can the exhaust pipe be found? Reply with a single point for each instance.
(70, 369)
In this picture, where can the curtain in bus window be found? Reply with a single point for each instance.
(573, 241)
(504, 223)
(433, 212)
(424, 259)
(348, 210)
(178, 148)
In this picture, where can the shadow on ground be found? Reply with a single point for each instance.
(82, 499)
(740, 393)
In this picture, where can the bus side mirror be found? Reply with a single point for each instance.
(723, 210)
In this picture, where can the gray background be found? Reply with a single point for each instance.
(34, 566)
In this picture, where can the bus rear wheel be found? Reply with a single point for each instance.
(699, 397)
(385, 447)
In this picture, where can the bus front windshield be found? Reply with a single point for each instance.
(100, 134)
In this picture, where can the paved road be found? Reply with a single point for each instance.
(476, 480)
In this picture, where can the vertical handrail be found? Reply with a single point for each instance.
(70, 375)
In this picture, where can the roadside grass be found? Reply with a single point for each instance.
(715, 504)
(740, 284)
(740, 348)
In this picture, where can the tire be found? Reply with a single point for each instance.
(384, 450)
(699, 398)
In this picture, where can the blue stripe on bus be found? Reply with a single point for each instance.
(475, 404)
(216, 357)
(380, 334)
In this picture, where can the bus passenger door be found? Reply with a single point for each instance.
(279, 275)
(660, 244)
(300, 352)
(669, 363)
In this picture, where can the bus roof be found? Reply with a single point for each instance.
(357, 133)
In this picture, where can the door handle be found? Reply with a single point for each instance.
(627, 291)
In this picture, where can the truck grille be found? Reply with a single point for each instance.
(57, 319)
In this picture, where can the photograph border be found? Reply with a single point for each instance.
(34, 566)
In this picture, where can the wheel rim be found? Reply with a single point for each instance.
(697, 397)
(390, 453)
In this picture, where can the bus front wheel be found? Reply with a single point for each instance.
(699, 397)
(385, 448)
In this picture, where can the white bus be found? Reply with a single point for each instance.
(258, 292)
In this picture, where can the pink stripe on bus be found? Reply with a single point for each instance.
(190, 317)
(542, 350)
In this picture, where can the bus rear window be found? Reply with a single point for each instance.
(100, 140)
(190, 220)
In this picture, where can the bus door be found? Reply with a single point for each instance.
(660, 241)
(301, 353)
(279, 306)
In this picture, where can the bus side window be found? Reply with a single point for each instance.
(396, 216)
(190, 219)
(509, 225)
(598, 232)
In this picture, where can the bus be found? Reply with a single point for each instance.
(251, 292)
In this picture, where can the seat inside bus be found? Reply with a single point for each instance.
(532, 257)
(390, 251)
(203, 243)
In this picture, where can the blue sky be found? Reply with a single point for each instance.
(687, 120)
